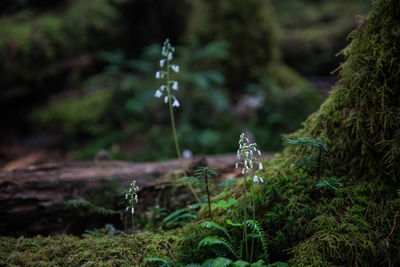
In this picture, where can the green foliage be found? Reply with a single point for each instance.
(179, 218)
(91, 208)
(314, 159)
(163, 262)
(225, 204)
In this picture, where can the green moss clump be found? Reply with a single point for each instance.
(73, 116)
(64, 250)
(361, 116)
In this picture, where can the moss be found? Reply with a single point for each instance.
(78, 115)
(360, 117)
(64, 250)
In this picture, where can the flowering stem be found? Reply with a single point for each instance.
(178, 151)
(133, 231)
(245, 214)
(208, 196)
(254, 221)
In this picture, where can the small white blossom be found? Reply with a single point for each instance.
(176, 103)
(243, 171)
(133, 211)
(260, 166)
(169, 56)
(257, 179)
(126, 196)
(175, 68)
(158, 94)
(175, 85)
(237, 165)
(162, 61)
(166, 99)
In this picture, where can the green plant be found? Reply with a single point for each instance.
(91, 208)
(314, 154)
(205, 174)
(164, 263)
(247, 152)
(168, 53)
(132, 200)
(228, 244)
(180, 217)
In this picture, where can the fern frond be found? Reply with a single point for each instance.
(214, 225)
(220, 262)
(253, 224)
(216, 240)
(92, 208)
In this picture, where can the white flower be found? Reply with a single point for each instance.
(257, 179)
(165, 99)
(162, 88)
(158, 75)
(243, 171)
(136, 199)
(133, 210)
(260, 167)
(158, 94)
(162, 61)
(175, 85)
(126, 196)
(175, 68)
(259, 152)
(237, 165)
(176, 103)
(169, 56)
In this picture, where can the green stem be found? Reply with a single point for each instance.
(245, 214)
(133, 229)
(208, 197)
(254, 221)
(178, 151)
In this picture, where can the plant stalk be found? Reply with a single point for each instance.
(254, 226)
(208, 197)
(245, 214)
(178, 152)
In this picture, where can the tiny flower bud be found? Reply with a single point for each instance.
(162, 61)
(169, 56)
(158, 94)
(175, 85)
(260, 167)
(176, 103)
(237, 165)
(165, 99)
(133, 211)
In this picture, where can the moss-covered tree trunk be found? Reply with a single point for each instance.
(361, 118)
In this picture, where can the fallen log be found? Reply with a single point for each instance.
(32, 199)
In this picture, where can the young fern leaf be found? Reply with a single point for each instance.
(179, 217)
(214, 225)
(92, 208)
(260, 231)
(220, 262)
(217, 241)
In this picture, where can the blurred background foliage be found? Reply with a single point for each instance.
(81, 73)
